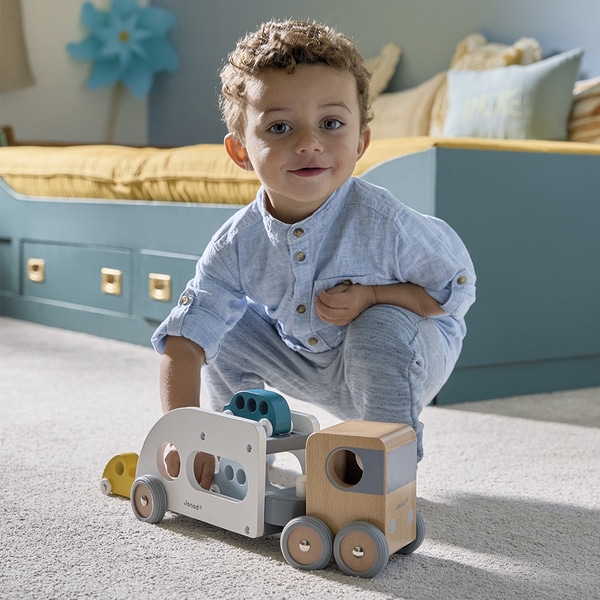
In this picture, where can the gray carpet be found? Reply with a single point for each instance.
(509, 490)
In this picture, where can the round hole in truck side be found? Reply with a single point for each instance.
(344, 468)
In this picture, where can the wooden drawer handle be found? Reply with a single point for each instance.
(159, 287)
(111, 281)
(36, 270)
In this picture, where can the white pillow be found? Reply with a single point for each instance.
(516, 102)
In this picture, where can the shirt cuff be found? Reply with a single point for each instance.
(458, 296)
(188, 320)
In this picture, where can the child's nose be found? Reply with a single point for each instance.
(308, 140)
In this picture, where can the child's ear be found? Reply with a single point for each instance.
(363, 143)
(237, 153)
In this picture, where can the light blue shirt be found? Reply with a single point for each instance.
(361, 233)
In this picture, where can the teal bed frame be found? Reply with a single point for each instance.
(530, 221)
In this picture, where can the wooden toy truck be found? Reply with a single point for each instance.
(355, 499)
(360, 488)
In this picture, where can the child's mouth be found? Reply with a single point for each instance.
(309, 171)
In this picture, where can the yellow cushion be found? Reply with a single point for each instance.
(584, 122)
(201, 173)
(382, 68)
(405, 113)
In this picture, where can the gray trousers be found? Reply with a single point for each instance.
(391, 364)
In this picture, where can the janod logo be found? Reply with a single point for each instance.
(194, 506)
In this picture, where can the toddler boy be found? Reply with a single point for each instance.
(325, 287)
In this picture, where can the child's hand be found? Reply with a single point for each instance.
(341, 304)
(204, 469)
(204, 466)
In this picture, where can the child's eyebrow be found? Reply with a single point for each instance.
(326, 105)
(339, 104)
(268, 111)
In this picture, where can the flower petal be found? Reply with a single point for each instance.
(91, 17)
(157, 20)
(138, 77)
(87, 49)
(123, 8)
(104, 72)
(161, 55)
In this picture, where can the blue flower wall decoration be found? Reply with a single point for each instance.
(127, 44)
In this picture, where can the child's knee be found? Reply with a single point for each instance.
(382, 330)
(395, 349)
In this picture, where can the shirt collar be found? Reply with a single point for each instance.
(326, 214)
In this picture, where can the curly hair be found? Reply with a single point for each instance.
(283, 45)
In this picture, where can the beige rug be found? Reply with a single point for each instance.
(509, 490)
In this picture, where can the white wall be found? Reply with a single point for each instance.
(183, 107)
(59, 108)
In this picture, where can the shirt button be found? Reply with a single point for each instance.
(461, 280)
(300, 309)
(300, 256)
(185, 300)
(313, 341)
(298, 232)
(347, 282)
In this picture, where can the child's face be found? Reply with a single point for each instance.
(303, 136)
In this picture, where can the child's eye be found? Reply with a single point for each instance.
(331, 124)
(279, 128)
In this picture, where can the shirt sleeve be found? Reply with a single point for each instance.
(431, 254)
(211, 305)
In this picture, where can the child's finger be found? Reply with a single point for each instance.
(204, 469)
(332, 300)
